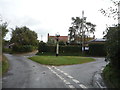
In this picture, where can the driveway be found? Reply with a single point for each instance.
(24, 73)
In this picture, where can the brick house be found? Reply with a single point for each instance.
(52, 39)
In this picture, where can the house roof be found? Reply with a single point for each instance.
(61, 38)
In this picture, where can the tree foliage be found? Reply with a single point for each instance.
(42, 47)
(112, 11)
(111, 34)
(79, 24)
(113, 46)
(4, 29)
(3, 32)
(24, 36)
(111, 72)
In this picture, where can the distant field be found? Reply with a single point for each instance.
(61, 60)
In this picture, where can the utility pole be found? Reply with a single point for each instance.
(82, 31)
(41, 37)
(119, 12)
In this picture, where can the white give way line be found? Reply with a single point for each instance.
(65, 81)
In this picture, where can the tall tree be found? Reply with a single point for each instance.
(3, 32)
(112, 70)
(4, 29)
(112, 11)
(24, 36)
(113, 46)
(76, 31)
(112, 35)
(72, 34)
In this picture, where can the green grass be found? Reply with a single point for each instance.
(61, 60)
(4, 66)
(61, 54)
(0, 68)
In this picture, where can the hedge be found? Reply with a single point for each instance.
(71, 49)
(23, 48)
(62, 49)
(97, 49)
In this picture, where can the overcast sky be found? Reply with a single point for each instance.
(52, 16)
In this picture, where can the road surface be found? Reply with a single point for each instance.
(24, 73)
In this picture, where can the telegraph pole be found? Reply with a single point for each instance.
(119, 12)
(82, 31)
(41, 37)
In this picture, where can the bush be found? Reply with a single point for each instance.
(97, 49)
(7, 50)
(23, 48)
(42, 47)
(113, 46)
(111, 76)
(111, 72)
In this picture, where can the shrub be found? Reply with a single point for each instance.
(113, 46)
(111, 72)
(7, 50)
(23, 48)
(111, 76)
(97, 49)
(42, 47)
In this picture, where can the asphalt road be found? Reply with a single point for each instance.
(24, 73)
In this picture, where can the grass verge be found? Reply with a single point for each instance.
(4, 66)
(61, 54)
(61, 60)
(111, 77)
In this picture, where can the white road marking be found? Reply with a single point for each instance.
(60, 77)
(76, 81)
(66, 74)
(82, 86)
(70, 77)
(52, 66)
(71, 86)
(53, 71)
(61, 71)
(102, 69)
(48, 67)
(99, 85)
(66, 82)
(58, 69)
